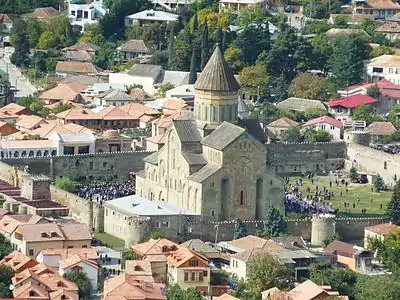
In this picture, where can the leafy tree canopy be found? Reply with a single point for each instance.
(309, 86)
(254, 80)
(292, 135)
(393, 208)
(274, 224)
(316, 136)
(82, 281)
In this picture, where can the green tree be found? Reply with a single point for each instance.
(240, 229)
(33, 31)
(6, 274)
(195, 23)
(382, 50)
(106, 57)
(364, 113)
(380, 287)
(265, 272)
(164, 88)
(322, 51)
(219, 277)
(176, 293)
(340, 279)
(82, 281)
(205, 47)
(274, 224)
(128, 254)
(93, 35)
(20, 41)
(251, 15)
(63, 32)
(316, 136)
(60, 108)
(5, 248)
(193, 70)
(373, 91)
(387, 250)
(393, 208)
(265, 112)
(353, 174)
(234, 58)
(313, 113)
(254, 80)
(341, 21)
(292, 135)
(379, 184)
(66, 184)
(155, 235)
(47, 40)
(309, 86)
(347, 59)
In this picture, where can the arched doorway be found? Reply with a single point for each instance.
(226, 195)
(160, 196)
(259, 199)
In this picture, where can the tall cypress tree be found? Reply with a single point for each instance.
(171, 48)
(204, 46)
(393, 208)
(195, 26)
(221, 39)
(193, 71)
(20, 57)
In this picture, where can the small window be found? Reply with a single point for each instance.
(205, 273)
(241, 198)
(84, 246)
(186, 276)
(164, 249)
(70, 247)
(193, 276)
(201, 276)
(193, 263)
(104, 165)
(90, 165)
(212, 213)
(31, 252)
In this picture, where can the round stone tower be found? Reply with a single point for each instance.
(216, 97)
(322, 228)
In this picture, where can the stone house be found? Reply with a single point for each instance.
(30, 239)
(189, 269)
(132, 49)
(277, 128)
(213, 163)
(81, 51)
(350, 256)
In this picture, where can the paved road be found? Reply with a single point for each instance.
(17, 80)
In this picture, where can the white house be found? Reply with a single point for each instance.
(83, 14)
(379, 231)
(52, 257)
(383, 67)
(149, 17)
(73, 143)
(171, 5)
(76, 262)
(328, 124)
(100, 87)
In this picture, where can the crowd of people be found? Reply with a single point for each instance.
(314, 202)
(106, 191)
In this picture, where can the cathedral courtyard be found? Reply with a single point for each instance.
(358, 196)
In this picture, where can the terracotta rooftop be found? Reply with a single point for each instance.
(29, 122)
(135, 46)
(217, 76)
(173, 104)
(76, 259)
(226, 297)
(179, 257)
(155, 247)
(389, 27)
(76, 67)
(54, 232)
(308, 290)
(380, 4)
(44, 12)
(383, 229)
(87, 253)
(344, 249)
(4, 18)
(67, 91)
(18, 261)
(325, 120)
(352, 101)
(115, 113)
(13, 109)
(141, 269)
(353, 18)
(284, 122)
(381, 129)
(76, 113)
(83, 46)
(136, 110)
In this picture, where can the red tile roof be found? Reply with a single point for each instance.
(352, 101)
(383, 229)
(324, 119)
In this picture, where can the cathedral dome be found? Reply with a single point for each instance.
(217, 76)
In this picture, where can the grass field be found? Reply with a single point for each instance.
(367, 199)
(110, 240)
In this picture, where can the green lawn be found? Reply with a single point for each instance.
(110, 240)
(367, 199)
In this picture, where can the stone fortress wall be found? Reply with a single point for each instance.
(296, 158)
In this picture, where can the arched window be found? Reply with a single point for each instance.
(16, 154)
(31, 154)
(23, 154)
(46, 153)
(39, 153)
(241, 198)
(53, 153)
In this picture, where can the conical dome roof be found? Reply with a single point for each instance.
(217, 76)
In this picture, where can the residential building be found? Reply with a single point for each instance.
(31, 239)
(7, 129)
(81, 14)
(73, 143)
(141, 269)
(185, 92)
(14, 109)
(383, 67)
(64, 93)
(300, 104)
(238, 6)
(18, 262)
(150, 17)
(189, 269)
(388, 96)
(139, 95)
(39, 282)
(332, 126)
(28, 123)
(6, 24)
(140, 112)
(342, 108)
(112, 97)
(164, 215)
(343, 32)
(77, 262)
(81, 51)
(129, 286)
(378, 130)
(156, 252)
(150, 77)
(81, 116)
(277, 128)
(27, 148)
(65, 68)
(9, 223)
(350, 256)
(242, 244)
(173, 5)
(307, 290)
(379, 9)
(43, 13)
(215, 257)
(352, 19)
(116, 118)
(53, 257)
(380, 231)
(132, 49)
(390, 29)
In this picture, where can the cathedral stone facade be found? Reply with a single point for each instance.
(213, 163)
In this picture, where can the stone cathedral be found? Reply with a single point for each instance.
(213, 162)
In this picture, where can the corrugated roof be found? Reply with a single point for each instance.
(217, 76)
(352, 101)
